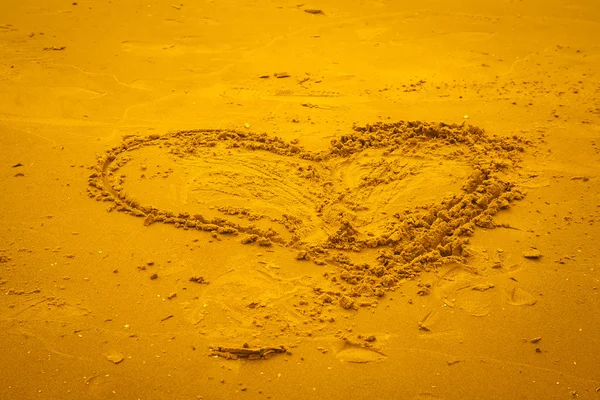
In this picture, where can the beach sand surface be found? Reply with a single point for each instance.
(274, 200)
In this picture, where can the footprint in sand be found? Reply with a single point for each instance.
(520, 297)
(475, 303)
(458, 287)
(260, 300)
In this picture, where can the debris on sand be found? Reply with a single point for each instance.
(115, 357)
(234, 353)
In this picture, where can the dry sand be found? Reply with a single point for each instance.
(334, 200)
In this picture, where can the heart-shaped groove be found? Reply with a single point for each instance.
(348, 197)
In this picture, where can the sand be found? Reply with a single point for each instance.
(334, 200)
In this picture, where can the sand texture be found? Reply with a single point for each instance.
(333, 200)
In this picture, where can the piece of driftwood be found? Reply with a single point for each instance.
(233, 353)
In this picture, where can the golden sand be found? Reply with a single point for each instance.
(335, 200)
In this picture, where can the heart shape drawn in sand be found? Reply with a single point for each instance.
(413, 190)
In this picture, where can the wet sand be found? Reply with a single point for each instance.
(330, 200)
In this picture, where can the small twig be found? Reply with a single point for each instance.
(233, 353)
